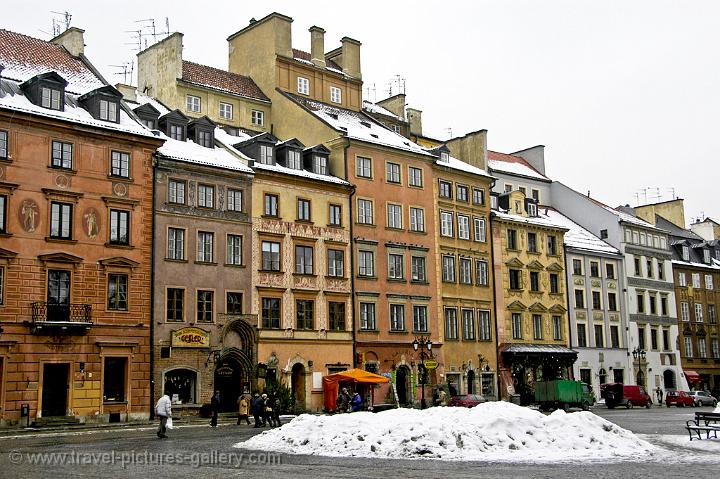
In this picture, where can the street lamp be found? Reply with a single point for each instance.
(421, 343)
(640, 354)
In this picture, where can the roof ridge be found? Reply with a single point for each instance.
(218, 69)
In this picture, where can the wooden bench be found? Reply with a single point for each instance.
(694, 428)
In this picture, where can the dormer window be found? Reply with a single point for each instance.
(51, 98)
(320, 165)
(706, 255)
(46, 90)
(204, 138)
(174, 124)
(266, 155)
(148, 115)
(444, 157)
(202, 131)
(685, 253)
(532, 209)
(294, 160)
(102, 103)
(109, 110)
(177, 132)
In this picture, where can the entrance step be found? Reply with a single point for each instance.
(55, 421)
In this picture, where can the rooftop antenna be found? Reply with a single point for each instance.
(58, 24)
(137, 37)
(126, 69)
(449, 132)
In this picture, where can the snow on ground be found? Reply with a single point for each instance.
(717, 408)
(494, 431)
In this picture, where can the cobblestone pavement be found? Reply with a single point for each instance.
(199, 451)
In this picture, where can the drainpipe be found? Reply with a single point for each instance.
(152, 297)
(492, 272)
(567, 303)
(352, 253)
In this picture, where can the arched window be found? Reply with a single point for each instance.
(602, 376)
(180, 385)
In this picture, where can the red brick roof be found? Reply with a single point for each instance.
(507, 158)
(301, 55)
(221, 80)
(23, 57)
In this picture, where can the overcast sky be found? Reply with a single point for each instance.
(623, 94)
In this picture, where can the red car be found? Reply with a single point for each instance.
(679, 399)
(466, 400)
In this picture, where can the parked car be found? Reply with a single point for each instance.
(679, 399)
(466, 400)
(617, 394)
(703, 398)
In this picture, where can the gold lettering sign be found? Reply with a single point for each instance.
(190, 338)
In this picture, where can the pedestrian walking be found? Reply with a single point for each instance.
(215, 407)
(266, 411)
(163, 410)
(243, 409)
(659, 395)
(356, 402)
(256, 407)
(276, 407)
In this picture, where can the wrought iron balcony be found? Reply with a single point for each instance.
(67, 318)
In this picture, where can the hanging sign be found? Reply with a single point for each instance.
(430, 364)
(190, 338)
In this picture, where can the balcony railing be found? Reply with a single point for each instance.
(67, 317)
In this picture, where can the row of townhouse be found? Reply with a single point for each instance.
(221, 230)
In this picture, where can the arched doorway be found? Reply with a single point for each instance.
(402, 378)
(641, 379)
(298, 385)
(229, 378)
(471, 382)
(669, 379)
(602, 376)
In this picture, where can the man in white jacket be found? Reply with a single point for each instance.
(163, 409)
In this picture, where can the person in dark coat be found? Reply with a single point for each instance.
(356, 402)
(257, 406)
(343, 401)
(215, 407)
(267, 412)
(276, 407)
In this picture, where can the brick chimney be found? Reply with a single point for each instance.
(317, 46)
(73, 41)
(414, 117)
(159, 67)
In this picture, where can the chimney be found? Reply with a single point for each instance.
(159, 67)
(73, 41)
(414, 117)
(317, 46)
(471, 148)
(128, 91)
(351, 57)
(534, 155)
(394, 104)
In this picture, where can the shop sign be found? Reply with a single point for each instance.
(430, 364)
(190, 338)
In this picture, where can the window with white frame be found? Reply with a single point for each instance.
(270, 208)
(206, 196)
(270, 256)
(193, 103)
(336, 263)
(257, 117)
(448, 268)
(303, 209)
(266, 155)
(61, 220)
(420, 319)
(557, 328)
(234, 199)
(706, 255)
(3, 144)
(696, 280)
(516, 319)
(698, 312)
(537, 326)
(468, 324)
(303, 86)
(445, 189)
(685, 253)
(461, 193)
(62, 155)
(303, 259)
(716, 348)
(176, 243)
(417, 219)
(119, 227)
(294, 160)
(709, 282)
(684, 311)
(484, 331)
(120, 164)
(465, 275)
(451, 326)
(363, 167)
(365, 212)
(176, 192)
(226, 110)
(415, 177)
(446, 223)
(688, 347)
(702, 348)
(481, 272)
(463, 227)
(392, 172)
(532, 209)
(366, 263)
(367, 316)
(234, 249)
(418, 269)
(394, 216)
(319, 164)
(478, 196)
(335, 94)
(682, 279)
(335, 215)
(396, 269)
(51, 98)
(479, 229)
(397, 317)
(712, 315)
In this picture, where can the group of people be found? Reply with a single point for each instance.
(265, 409)
(347, 403)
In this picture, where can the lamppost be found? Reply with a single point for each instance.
(639, 354)
(421, 343)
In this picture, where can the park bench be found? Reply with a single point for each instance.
(706, 422)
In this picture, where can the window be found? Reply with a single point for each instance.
(638, 267)
(696, 280)
(610, 270)
(304, 310)
(515, 279)
(463, 227)
(365, 212)
(511, 239)
(394, 216)
(335, 94)
(206, 196)
(508, 187)
(557, 328)
(579, 298)
(119, 226)
(641, 302)
(176, 192)
(336, 263)
(666, 339)
(653, 338)
(479, 229)
(698, 312)
(204, 138)
(177, 132)
(363, 167)
(448, 270)
(3, 214)
(484, 331)
(596, 304)
(420, 319)
(303, 86)
(266, 155)
(175, 300)
(641, 337)
(367, 316)
(516, 326)
(205, 301)
(176, 244)
(319, 165)
(552, 245)
(712, 314)
(532, 242)
(702, 348)
(234, 249)
(478, 196)
(685, 253)
(653, 304)
(392, 172)
(336, 313)
(684, 311)
(60, 220)
(294, 160)
(415, 177)
(465, 271)
(523, 190)
(51, 98)
(108, 110)
(271, 205)
(614, 337)
(395, 266)
(417, 264)
(270, 256)
(62, 155)
(205, 243)
(594, 269)
(532, 209)
(706, 255)
(599, 338)
(257, 117)
(535, 281)
(445, 189)
(234, 200)
(682, 279)
(462, 193)
(117, 292)
(446, 223)
(366, 263)
(481, 272)
(688, 347)
(335, 215)
(554, 285)
(120, 164)
(468, 324)
(233, 302)
(270, 313)
(226, 111)
(303, 260)
(114, 379)
(537, 326)
(193, 103)
(535, 195)
(451, 326)
(303, 210)
(612, 302)
(397, 317)
(663, 306)
(582, 335)
(417, 219)
(715, 348)
(650, 269)
(3, 145)
(709, 282)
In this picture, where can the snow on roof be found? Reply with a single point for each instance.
(12, 98)
(24, 57)
(375, 108)
(143, 99)
(457, 164)
(542, 219)
(496, 431)
(695, 264)
(513, 165)
(301, 173)
(357, 125)
(306, 57)
(218, 156)
(577, 236)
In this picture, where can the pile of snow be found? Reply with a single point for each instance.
(717, 408)
(493, 431)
